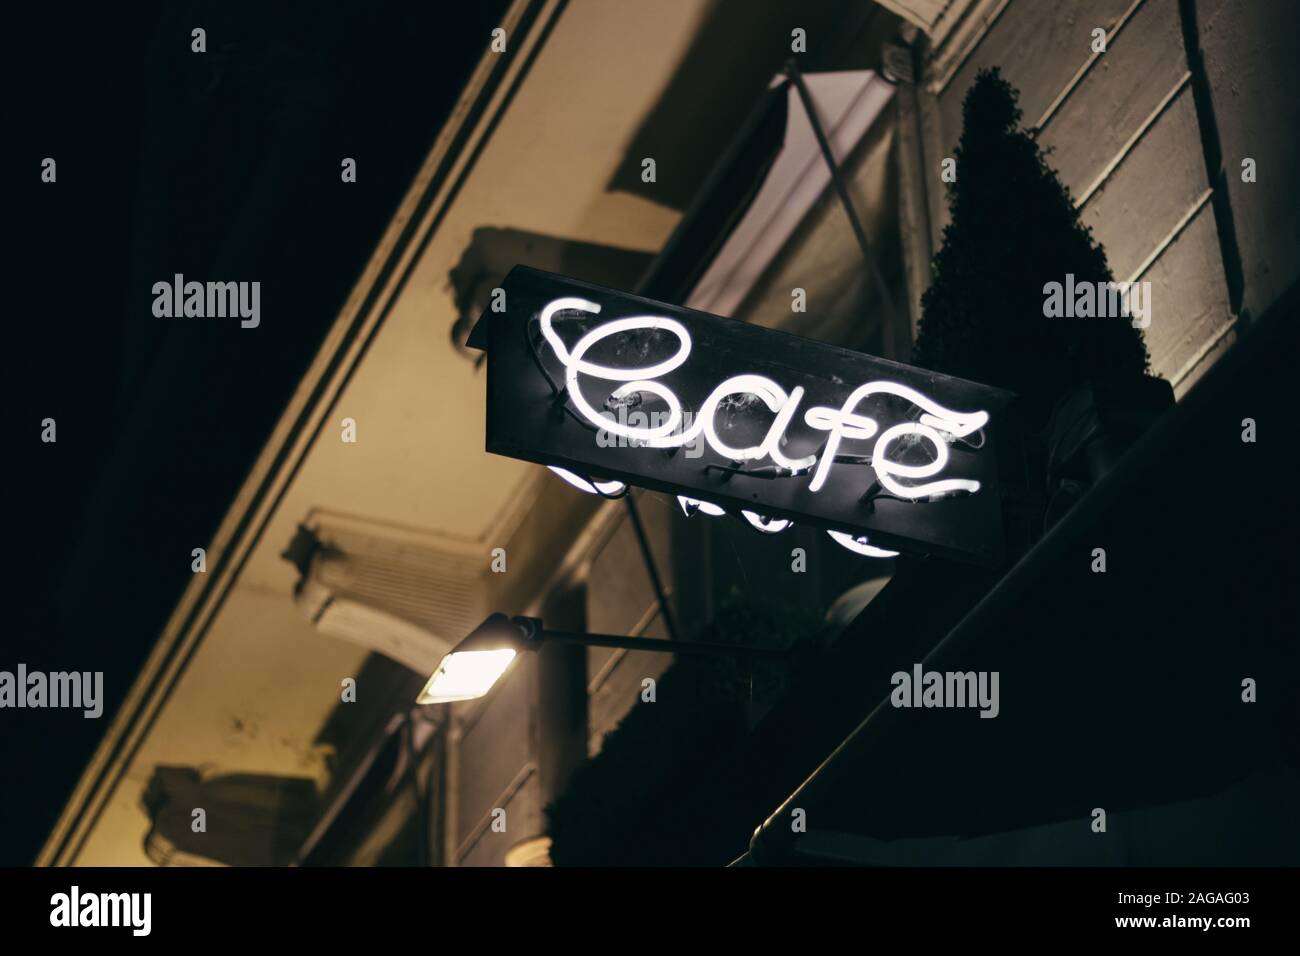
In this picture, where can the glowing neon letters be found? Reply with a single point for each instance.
(741, 422)
(937, 425)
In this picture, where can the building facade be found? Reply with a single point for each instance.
(661, 149)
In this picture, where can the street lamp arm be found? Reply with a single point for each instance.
(655, 645)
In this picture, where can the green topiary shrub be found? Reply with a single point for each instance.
(1014, 228)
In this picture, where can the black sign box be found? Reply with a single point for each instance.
(533, 415)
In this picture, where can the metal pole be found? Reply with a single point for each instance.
(650, 567)
(792, 71)
(665, 647)
(451, 790)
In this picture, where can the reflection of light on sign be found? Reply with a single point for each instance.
(936, 425)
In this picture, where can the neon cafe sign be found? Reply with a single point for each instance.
(612, 390)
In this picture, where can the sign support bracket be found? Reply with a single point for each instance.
(841, 189)
(644, 542)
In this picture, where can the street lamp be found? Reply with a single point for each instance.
(475, 665)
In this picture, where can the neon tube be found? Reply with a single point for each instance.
(937, 425)
(605, 488)
(692, 505)
(941, 425)
(766, 525)
(859, 545)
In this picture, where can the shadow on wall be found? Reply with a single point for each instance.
(233, 819)
(739, 47)
(494, 252)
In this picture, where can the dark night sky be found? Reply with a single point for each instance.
(223, 166)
